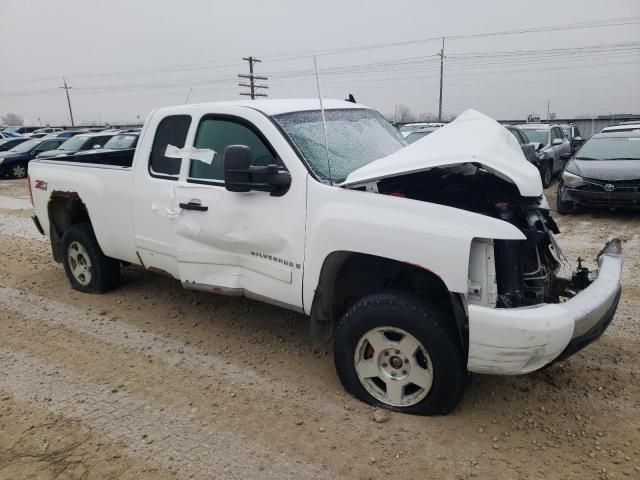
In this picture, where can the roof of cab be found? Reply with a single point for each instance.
(276, 106)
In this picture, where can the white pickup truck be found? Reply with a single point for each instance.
(422, 262)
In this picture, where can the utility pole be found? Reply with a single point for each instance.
(547, 111)
(66, 89)
(441, 74)
(252, 80)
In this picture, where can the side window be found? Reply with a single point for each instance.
(217, 134)
(576, 132)
(171, 131)
(558, 133)
(45, 146)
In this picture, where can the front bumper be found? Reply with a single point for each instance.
(508, 341)
(622, 198)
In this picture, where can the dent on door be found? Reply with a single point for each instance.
(228, 245)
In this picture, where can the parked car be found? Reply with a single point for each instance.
(605, 172)
(422, 262)
(84, 141)
(528, 148)
(554, 150)
(420, 133)
(572, 133)
(9, 143)
(67, 133)
(122, 141)
(407, 128)
(622, 127)
(15, 162)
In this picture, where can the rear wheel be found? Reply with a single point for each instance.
(394, 351)
(87, 268)
(18, 170)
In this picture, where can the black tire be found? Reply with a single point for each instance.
(426, 324)
(563, 208)
(546, 173)
(18, 170)
(103, 273)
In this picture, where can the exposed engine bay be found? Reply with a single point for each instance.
(526, 270)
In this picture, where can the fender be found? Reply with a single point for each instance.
(434, 237)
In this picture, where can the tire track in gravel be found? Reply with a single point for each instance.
(161, 436)
(120, 334)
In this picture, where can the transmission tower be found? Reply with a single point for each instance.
(252, 85)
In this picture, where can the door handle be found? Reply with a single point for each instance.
(197, 206)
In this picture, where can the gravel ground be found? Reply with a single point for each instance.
(153, 381)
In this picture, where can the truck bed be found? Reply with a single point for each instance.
(119, 158)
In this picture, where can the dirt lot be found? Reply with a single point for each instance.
(153, 381)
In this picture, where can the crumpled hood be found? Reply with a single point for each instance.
(472, 137)
(611, 170)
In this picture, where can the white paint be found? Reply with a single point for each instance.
(471, 137)
(263, 245)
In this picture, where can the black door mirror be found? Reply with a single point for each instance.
(241, 176)
(237, 161)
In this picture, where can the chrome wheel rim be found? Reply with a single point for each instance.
(393, 366)
(79, 263)
(19, 171)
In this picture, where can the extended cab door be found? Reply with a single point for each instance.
(154, 192)
(249, 243)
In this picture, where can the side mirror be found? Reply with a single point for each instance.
(96, 146)
(537, 146)
(557, 141)
(237, 161)
(577, 139)
(241, 176)
(37, 152)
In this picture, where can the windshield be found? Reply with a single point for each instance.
(356, 137)
(26, 146)
(610, 148)
(73, 144)
(120, 142)
(540, 135)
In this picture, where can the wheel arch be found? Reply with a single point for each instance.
(346, 276)
(65, 209)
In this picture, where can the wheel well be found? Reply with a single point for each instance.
(347, 276)
(65, 209)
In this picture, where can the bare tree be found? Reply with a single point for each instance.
(12, 120)
(404, 114)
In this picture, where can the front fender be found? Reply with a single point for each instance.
(435, 237)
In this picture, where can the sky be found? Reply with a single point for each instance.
(125, 58)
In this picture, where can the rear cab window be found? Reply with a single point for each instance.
(172, 130)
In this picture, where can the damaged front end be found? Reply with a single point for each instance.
(521, 313)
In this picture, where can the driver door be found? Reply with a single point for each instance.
(248, 243)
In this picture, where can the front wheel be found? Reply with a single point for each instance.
(87, 268)
(394, 351)
(18, 170)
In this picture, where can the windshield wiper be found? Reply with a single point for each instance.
(624, 158)
(588, 158)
